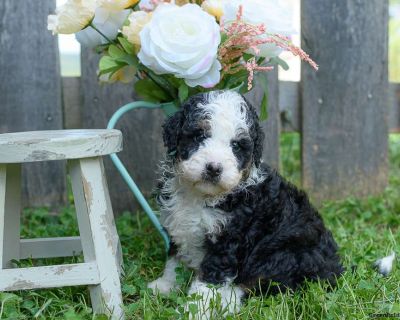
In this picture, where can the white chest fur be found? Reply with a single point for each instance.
(188, 220)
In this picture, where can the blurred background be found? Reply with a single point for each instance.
(70, 48)
(327, 131)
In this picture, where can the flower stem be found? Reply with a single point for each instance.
(166, 90)
(101, 33)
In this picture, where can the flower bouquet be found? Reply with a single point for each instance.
(172, 50)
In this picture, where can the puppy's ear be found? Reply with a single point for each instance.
(256, 132)
(171, 132)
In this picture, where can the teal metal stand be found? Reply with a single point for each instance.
(169, 109)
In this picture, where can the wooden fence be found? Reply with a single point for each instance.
(343, 111)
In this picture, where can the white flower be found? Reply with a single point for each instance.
(108, 22)
(214, 7)
(147, 5)
(71, 17)
(137, 21)
(274, 14)
(182, 41)
(117, 4)
(150, 5)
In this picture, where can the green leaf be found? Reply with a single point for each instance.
(174, 81)
(193, 309)
(128, 47)
(239, 88)
(262, 80)
(129, 289)
(278, 61)
(224, 37)
(128, 59)
(107, 65)
(115, 52)
(366, 285)
(247, 56)
(183, 92)
(235, 80)
(101, 48)
(150, 91)
(264, 108)
(162, 82)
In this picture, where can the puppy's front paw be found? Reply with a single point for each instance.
(210, 300)
(161, 285)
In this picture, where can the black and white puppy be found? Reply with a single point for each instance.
(232, 219)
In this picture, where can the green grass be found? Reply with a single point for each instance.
(365, 230)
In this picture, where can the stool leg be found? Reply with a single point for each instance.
(10, 213)
(98, 233)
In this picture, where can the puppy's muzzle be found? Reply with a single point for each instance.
(212, 172)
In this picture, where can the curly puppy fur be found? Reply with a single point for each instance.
(231, 218)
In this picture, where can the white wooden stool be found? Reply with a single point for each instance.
(83, 150)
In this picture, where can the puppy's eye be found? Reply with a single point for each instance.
(242, 144)
(236, 145)
(199, 135)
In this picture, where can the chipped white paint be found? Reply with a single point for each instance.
(385, 265)
(10, 210)
(49, 277)
(50, 247)
(58, 145)
(99, 236)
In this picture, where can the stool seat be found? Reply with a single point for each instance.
(36, 146)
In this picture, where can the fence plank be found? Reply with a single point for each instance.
(271, 126)
(72, 109)
(290, 106)
(30, 89)
(344, 112)
(143, 148)
(394, 107)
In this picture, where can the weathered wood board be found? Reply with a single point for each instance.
(72, 106)
(49, 277)
(344, 104)
(50, 247)
(290, 106)
(394, 107)
(10, 214)
(30, 90)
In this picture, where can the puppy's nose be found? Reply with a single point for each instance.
(214, 169)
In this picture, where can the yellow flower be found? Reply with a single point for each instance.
(181, 2)
(125, 75)
(117, 4)
(137, 20)
(214, 7)
(72, 17)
